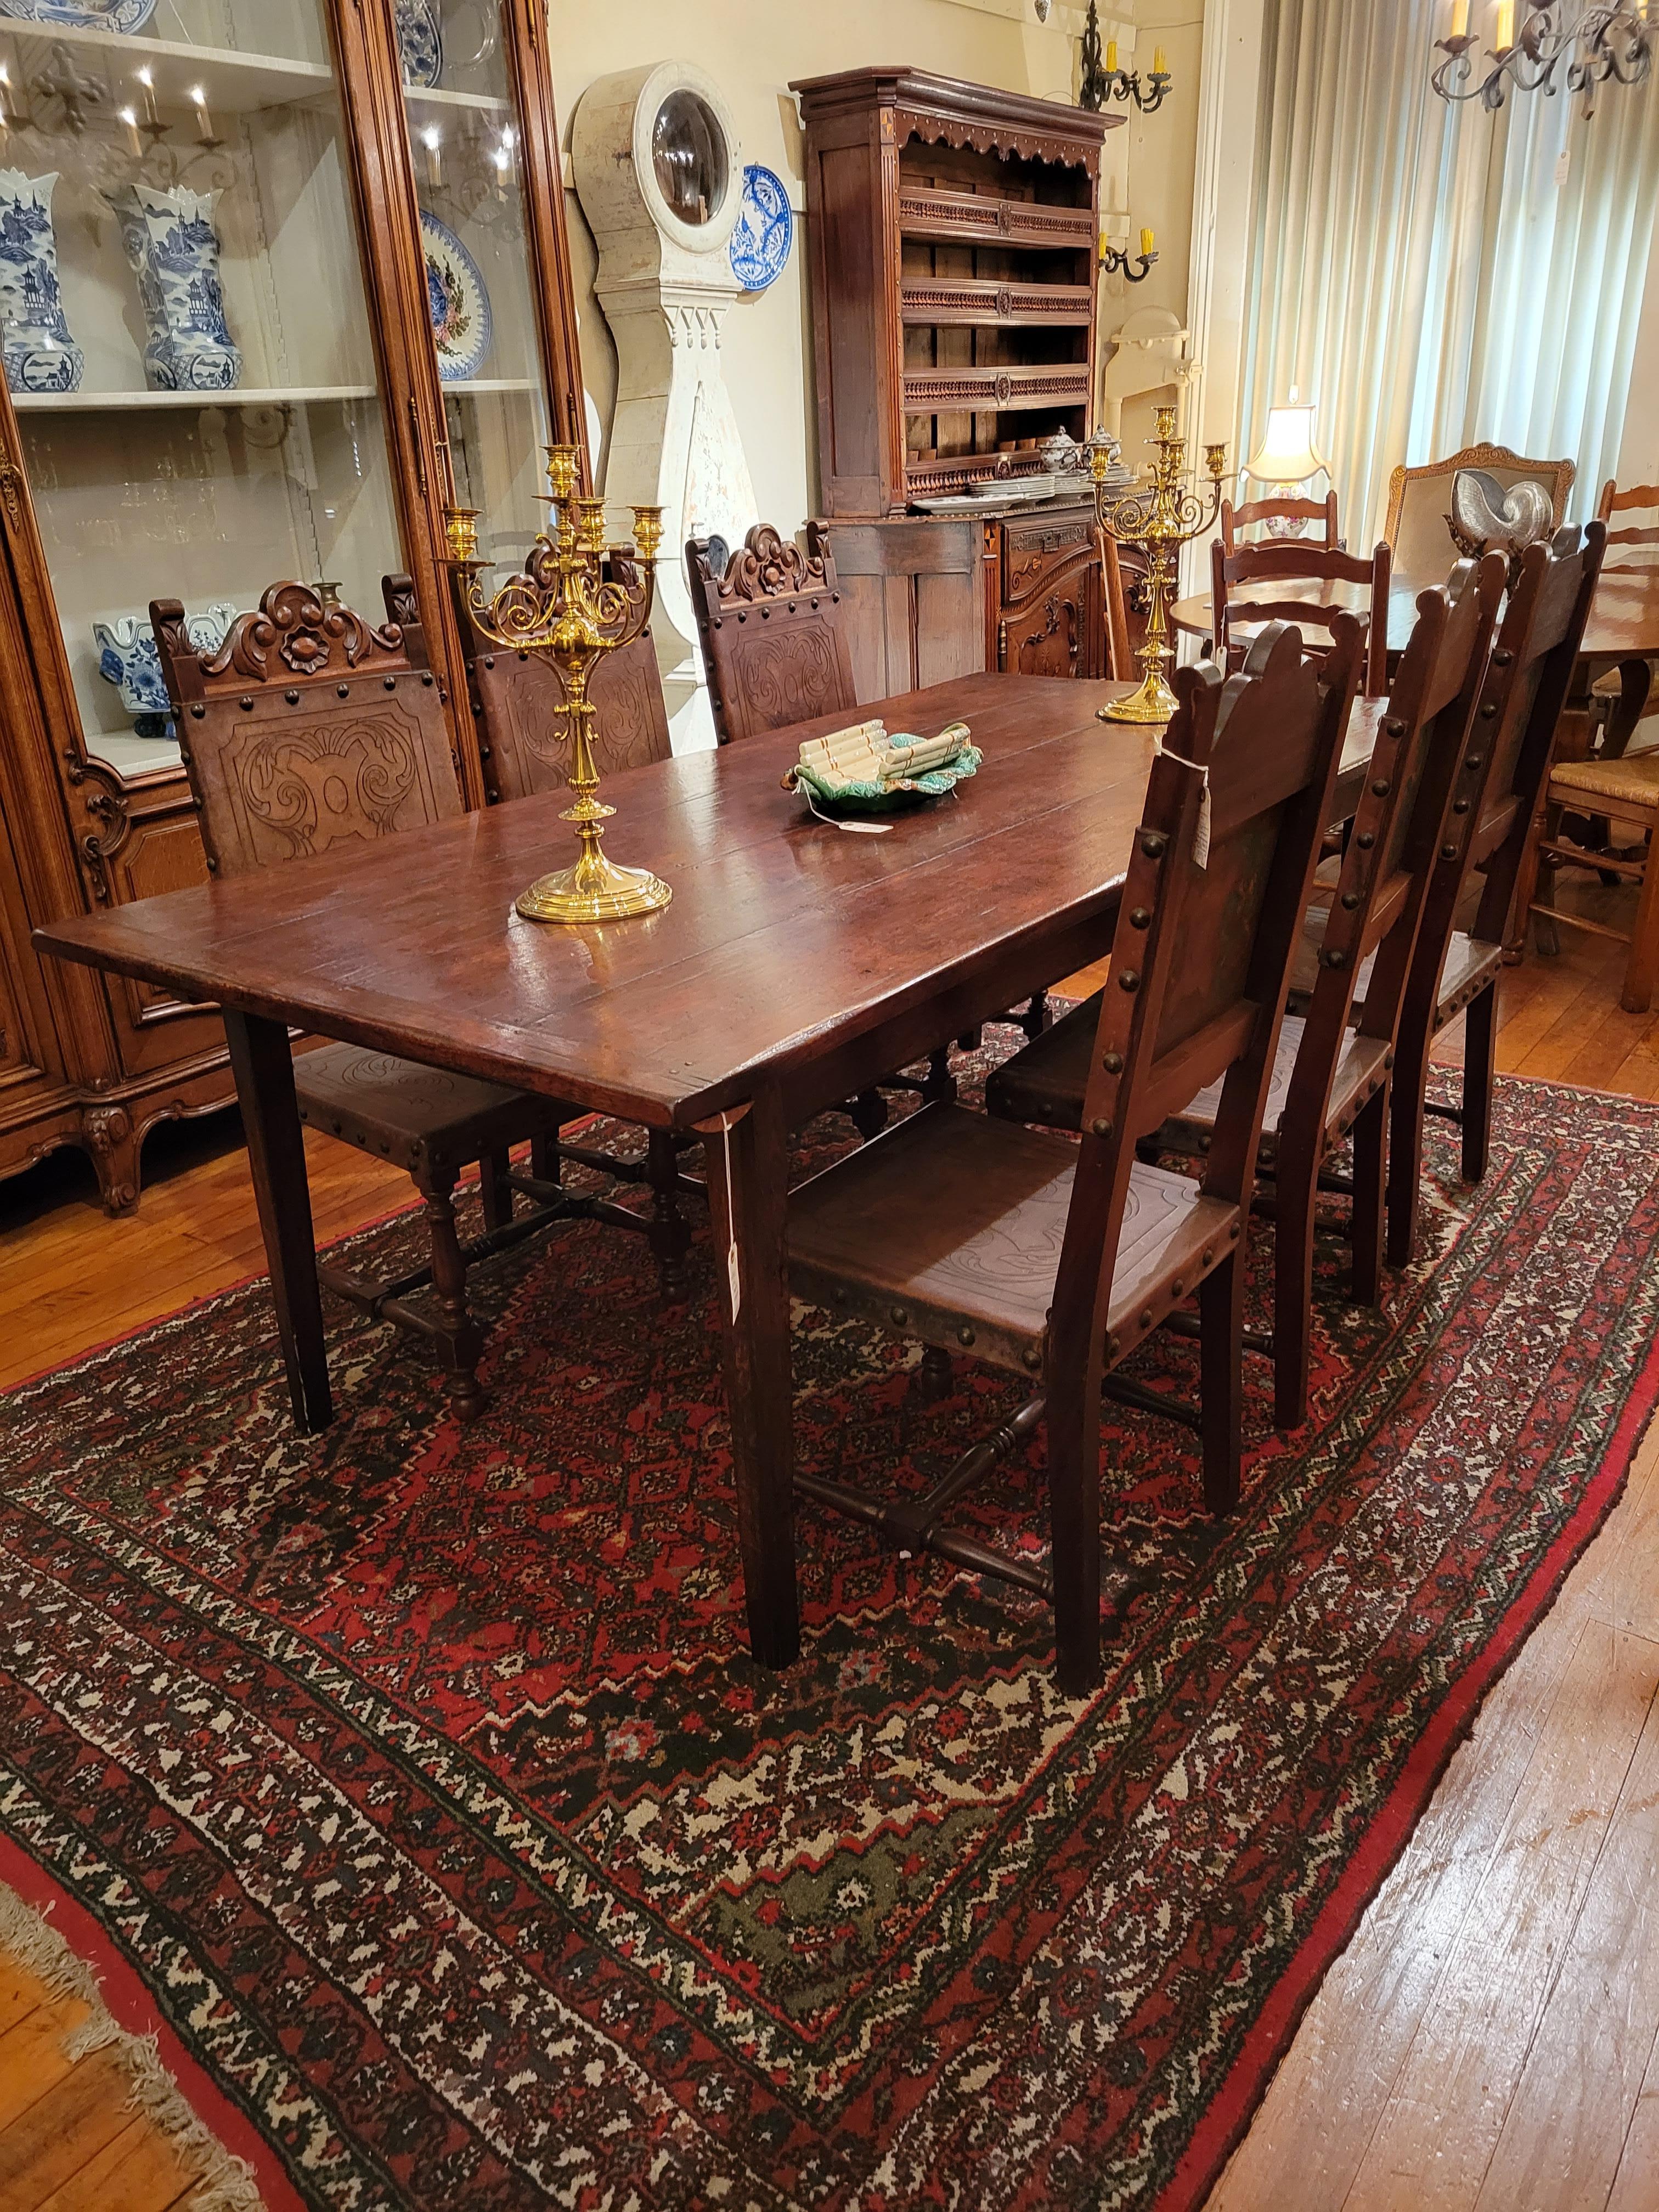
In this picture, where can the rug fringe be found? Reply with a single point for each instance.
(228, 2183)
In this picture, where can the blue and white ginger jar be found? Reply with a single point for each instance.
(193, 350)
(35, 343)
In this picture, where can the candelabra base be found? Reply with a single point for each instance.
(595, 890)
(1153, 703)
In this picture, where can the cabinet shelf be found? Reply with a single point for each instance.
(940, 303)
(987, 390)
(982, 219)
(321, 395)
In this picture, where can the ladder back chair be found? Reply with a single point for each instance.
(1417, 526)
(1595, 780)
(309, 730)
(1254, 514)
(518, 701)
(1259, 583)
(1495, 794)
(1055, 1259)
(1330, 1081)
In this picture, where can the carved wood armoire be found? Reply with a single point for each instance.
(953, 233)
(388, 219)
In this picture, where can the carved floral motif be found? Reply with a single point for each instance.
(769, 567)
(303, 632)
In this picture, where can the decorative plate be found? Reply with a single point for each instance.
(462, 327)
(420, 42)
(875, 799)
(764, 232)
(123, 16)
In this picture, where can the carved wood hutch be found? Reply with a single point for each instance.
(953, 232)
(344, 151)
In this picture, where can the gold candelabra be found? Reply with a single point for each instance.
(564, 607)
(1159, 519)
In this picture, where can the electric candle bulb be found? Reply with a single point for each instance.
(1504, 34)
(1146, 244)
(146, 78)
(1460, 21)
(203, 120)
(129, 116)
(1159, 65)
(1111, 54)
(432, 138)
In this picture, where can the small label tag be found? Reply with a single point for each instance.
(735, 1279)
(1201, 834)
(1563, 165)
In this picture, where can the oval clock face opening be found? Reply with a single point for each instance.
(688, 151)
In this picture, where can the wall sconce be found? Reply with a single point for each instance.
(1102, 83)
(1114, 260)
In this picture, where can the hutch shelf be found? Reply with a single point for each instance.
(327, 181)
(954, 274)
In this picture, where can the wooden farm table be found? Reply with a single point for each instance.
(796, 964)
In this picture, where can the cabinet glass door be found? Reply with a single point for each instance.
(185, 334)
(466, 137)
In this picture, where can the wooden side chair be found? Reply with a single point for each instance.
(1495, 793)
(1255, 513)
(1330, 1080)
(1054, 1259)
(1258, 584)
(1119, 644)
(518, 701)
(1594, 778)
(310, 730)
(769, 622)
(1420, 502)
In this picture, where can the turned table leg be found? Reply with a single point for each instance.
(263, 1067)
(748, 1183)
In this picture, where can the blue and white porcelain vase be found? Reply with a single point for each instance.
(193, 350)
(129, 658)
(135, 238)
(35, 343)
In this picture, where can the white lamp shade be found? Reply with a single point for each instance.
(1286, 454)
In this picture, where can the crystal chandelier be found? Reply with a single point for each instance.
(1552, 47)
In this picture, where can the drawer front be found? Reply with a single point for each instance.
(1035, 554)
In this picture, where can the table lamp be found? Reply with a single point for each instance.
(1287, 460)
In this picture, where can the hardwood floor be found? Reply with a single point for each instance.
(1489, 2042)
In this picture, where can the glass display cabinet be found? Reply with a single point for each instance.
(274, 275)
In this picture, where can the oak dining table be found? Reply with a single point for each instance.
(796, 964)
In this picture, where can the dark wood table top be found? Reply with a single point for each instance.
(781, 926)
(1624, 619)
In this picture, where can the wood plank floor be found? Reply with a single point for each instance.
(1489, 2042)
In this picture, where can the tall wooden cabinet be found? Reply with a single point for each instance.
(953, 232)
(346, 173)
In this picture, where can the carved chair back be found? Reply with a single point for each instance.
(1252, 512)
(1204, 940)
(1497, 781)
(1397, 829)
(519, 700)
(1257, 584)
(1420, 502)
(768, 620)
(308, 729)
(1632, 547)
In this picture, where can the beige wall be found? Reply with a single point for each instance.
(753, 51)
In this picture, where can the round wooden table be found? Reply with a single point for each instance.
(1623, 631)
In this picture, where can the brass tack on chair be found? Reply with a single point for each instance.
(1100, 1126)
(1381, 787)
(1365, 840)
(1128, 980)
(1335, 957)
(1459, 806)
(898, 1317)
(1140, 918)
(965, 1336)
(1350, 900)
(1032, 1357)
(1153, 846)
(1395, 726)
(1146, 1318)
(1209, 1256)
(292, 697)
(1449, 851)
(1113, 1063)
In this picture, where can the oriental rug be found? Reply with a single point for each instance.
(417, 1781)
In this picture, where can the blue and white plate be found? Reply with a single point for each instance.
(764, 231)
(462, 326)
(420, 42)
(124, 15)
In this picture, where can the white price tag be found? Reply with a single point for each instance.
(1563, 165)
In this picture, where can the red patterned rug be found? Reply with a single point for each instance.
(417, 1781)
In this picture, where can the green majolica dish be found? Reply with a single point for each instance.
(889, 799)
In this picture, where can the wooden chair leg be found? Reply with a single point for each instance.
(1221, 1356)
(1371, 1148)
(941, 1085)
(670, 1236)
(544, 1160)
(1642, 969)
(869, 1114)
(1546, 933)
(1479, 1035)
(1035, 1019)
(1295, 1182)
(460, 1340)
(1411, 1067)
(1072, 1426)
(935, 1378)
(495, 1188)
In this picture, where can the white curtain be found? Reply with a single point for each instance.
(1431, 276)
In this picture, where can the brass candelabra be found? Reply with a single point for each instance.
(565, 609)
(1159, 519)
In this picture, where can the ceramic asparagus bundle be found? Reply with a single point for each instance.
(865, 762)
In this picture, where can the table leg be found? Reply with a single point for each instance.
(747, 1182)
(263, 1067)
